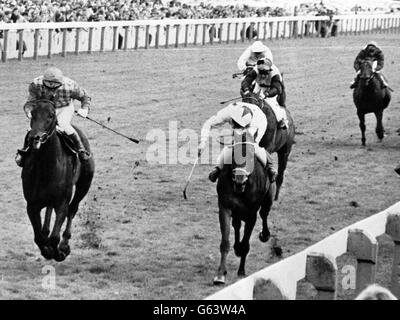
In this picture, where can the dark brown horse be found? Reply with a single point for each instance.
(243, 187)
(370, 97)
(275, 139)
(49, 177)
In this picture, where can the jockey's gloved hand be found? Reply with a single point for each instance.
(201, 148)
(248, 69)
(246, 93)
(83, 112)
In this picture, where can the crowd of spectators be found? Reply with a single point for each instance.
(100, 10)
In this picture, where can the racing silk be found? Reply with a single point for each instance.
(271, 82)
(61, 97)
(370, 52)
(257, 126)
(249, 58)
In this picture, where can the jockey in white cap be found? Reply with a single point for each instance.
(251, 55)
(373, 52)
(61, 91)
(238, 115)
(268, 86)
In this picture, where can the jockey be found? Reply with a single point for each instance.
(239, 115)
(370, 51)
(251, 55)
(268, 86)
(61, 91)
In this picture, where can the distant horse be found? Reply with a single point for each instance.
(370, 97)
(50, 174)
(275, 139)
(243, 187)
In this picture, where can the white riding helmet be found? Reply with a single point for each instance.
(371, 43)
(53, 74)
(258, 47)
(242, 115)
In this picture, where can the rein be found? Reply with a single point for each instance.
(50, 132)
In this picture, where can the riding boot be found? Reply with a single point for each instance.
(84, 155)
(397, 169)
(272, 173)
(355, 82)
(19, 157)
(214, 174)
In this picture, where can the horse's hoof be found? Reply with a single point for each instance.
(64, 248)
(219, 280)
(263, 238)
(241, 274)
(60, 256)
(47, 253)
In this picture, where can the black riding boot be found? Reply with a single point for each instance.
(214, 174)
(84, 155)
(272, 173)
(355, 82)
(19, 157)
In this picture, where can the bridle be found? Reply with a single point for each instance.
(53, 126)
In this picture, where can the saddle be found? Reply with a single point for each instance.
(67, 142)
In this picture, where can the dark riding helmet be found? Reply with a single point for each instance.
(53, 78)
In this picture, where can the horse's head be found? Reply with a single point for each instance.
(366, 71)
(253, 98)
(243, 158)
(43, 123)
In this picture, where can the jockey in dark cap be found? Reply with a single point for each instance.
(373, 52)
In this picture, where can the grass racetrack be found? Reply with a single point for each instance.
(134, 236)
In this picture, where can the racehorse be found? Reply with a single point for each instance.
(50, 174)
(275, 139)
(243, 187)
(370, 97)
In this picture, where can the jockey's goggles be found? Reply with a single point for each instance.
(51, 84)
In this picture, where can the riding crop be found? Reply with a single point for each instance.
(222, 102)
(112, 130)
(190, 176)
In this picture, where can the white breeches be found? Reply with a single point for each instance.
(279, 111)
(64, 118)
(225, 157)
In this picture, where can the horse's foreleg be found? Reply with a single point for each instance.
(237, 224)
(361, 117)
(245, 243)
(47, 220)
(283, 156)
(225, 224)
(61, 213)
(40, 239)
(264, 211)
(379, 126)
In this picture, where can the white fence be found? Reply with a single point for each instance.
(47, 39)
(317, 264)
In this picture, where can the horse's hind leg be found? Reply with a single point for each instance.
(380, 132)
(245, 243)
(264, 211)
(225, 224)
(361, 117)
(82, 188)
(61, 213)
